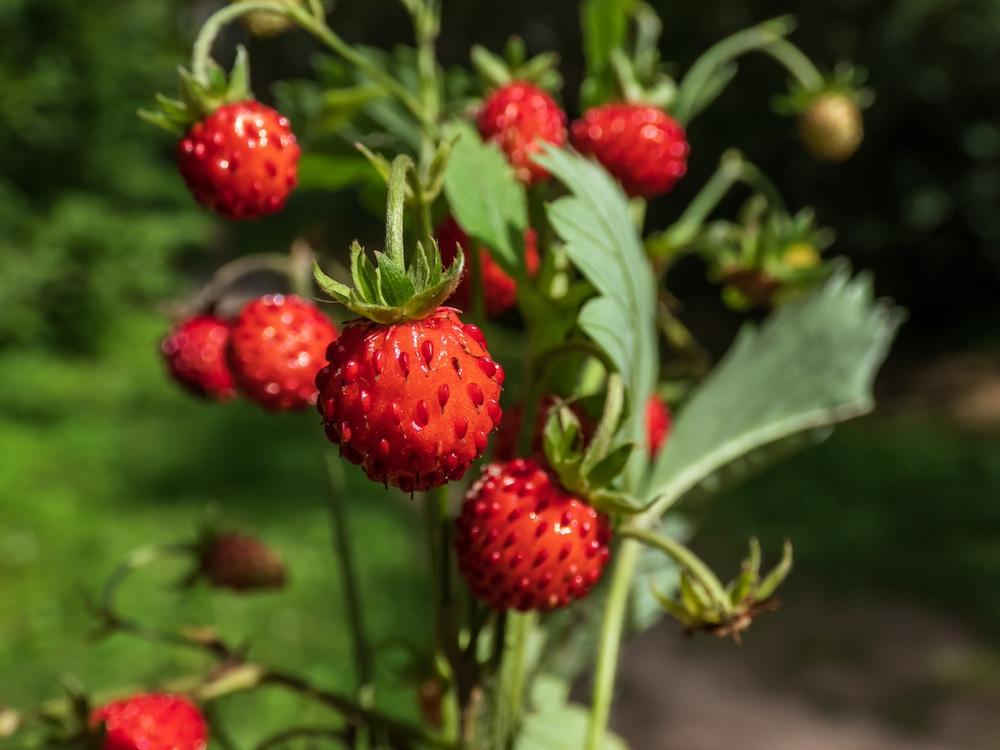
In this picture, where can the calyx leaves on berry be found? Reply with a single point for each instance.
(589, 470)
(390, 289)
(515, 65)
(201, 96)
(846, 80)
(703, 603)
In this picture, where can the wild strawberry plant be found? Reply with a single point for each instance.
(511, 359)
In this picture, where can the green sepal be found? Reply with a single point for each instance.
(608, 468)
(515, 65)
(201, 97)
(701, 605)
(381, 293)
(846, 80)
(562, 442)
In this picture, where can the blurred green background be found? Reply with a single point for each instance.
(99, 453)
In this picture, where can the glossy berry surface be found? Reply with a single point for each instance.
(277, 346)
(413, 403)
(195, 353)
(241, 161)
(499, 289)
(519, 118)
(152, 721)
(658, 424)
(642, 146)
(525, 543)
(242, 563)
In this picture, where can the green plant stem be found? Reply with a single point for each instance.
(446, 648)
(723, 53)
(363, 665)
(395, 204)
(514, 673)
(686, 228)
(231, 272)
(315, 25)
(611, 635)
(686, 559)
(796, 63)
(317, 9)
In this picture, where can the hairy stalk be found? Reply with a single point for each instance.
(315, 25)
(361, 650)
(229, 273)
(721, 54)
(611, 635)
(514, 674)
(685, 558)
(796, 63)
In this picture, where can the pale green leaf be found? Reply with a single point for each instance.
(810, 365)
(555, 723)
(602, 242)
(485, 197)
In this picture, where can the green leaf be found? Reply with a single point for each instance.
(602, 242)
(555, 723)
(810, 365)
(609, 467)
(330, 285)
(485, 197)
(329, 172)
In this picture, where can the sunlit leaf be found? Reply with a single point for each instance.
(602, 242)
(485, 196)
(810, 365)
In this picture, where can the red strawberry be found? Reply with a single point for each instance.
(152, 721)
(276, 348)
(642, 146)
(500, 289)
(525, 543)
(242, 563)
(519, 117)
(658, 423)
(195, 351)
(414, 402)
(241, 161)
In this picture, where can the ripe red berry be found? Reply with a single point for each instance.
(242, 563)
(500, 290)
(658, 423)
(642, 146)
(276, 348)
(523, 542)
(519, 117)
(241, 161)
(413, 403)
(152, 721)
(195, 352)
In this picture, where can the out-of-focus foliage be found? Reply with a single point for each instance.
(91, 215)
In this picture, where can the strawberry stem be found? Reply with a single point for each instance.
(395, 204)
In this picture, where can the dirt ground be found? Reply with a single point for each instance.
(814, 677)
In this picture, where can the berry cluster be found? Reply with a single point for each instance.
(270, 352)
